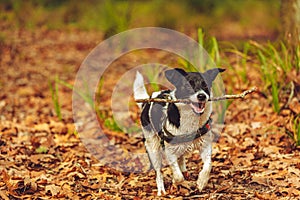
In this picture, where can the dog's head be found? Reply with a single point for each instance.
(194, 86)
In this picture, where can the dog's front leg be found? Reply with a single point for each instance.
(172, 160)
(204, 173)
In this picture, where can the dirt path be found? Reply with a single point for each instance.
(42, 158)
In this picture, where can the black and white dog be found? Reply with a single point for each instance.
(175, 129)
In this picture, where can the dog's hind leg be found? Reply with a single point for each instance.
(155, 154)
(182, 166)
(181, 162)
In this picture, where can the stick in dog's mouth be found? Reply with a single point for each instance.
(198, 107)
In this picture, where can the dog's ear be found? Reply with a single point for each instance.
(175, 76)
(210, 75)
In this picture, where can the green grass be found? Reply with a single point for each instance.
(294, 134)
(201, 46)
(153, 76)
(297, 130)
(297, 59)
(274, 62)
(210, 45)
(41, 150)
(108, 121)
(269, 76)
(53, 86)
(243, 72)
(85, 95)
(111, 124)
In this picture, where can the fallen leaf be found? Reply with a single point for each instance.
(3, 195)
(249, 142)
(294, 171)
(255, 125)
(295, 105)
(54, 190)
(260, 180)
(269, 150)
(42, 128)
(264, 196)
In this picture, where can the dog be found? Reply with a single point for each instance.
(174, 129)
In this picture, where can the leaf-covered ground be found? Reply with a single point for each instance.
(42, 158)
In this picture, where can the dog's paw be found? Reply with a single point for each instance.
(178, 178)
(202, 179)
(202, 182)
(161, 191)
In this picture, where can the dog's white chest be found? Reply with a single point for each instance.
(189, 121)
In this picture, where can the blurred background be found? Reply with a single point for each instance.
(225, 19)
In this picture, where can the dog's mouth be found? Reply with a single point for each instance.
(198, 107)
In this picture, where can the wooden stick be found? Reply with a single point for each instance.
(227, 96)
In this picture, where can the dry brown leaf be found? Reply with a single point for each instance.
(76, 174)
(134, 181)
(26, 91)
(54, 190)
(223, 187)
(264, 196)
(249, 142)
(30, 183)
(294, 171)
(256, 125)
(294, 191)
(294, 180)
(271, 150)
(295, 105)
(260, 180)
(11, 185)
(243, 159)
(42, 127)
(3, 195)
(58, 127)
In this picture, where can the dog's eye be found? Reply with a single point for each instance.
(192, 83)
(203, 84)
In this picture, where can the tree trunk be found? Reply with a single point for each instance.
(290, 16)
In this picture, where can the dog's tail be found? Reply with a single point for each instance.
(139, 90)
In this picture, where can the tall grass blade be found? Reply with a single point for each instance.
(215, 53)
(55, 98)
(287, 58)
(201, 48)
(263, 62)
(270, 78)
(84, 95)
(275, 95)
(244, 62)
(297, 130)
(297, 58)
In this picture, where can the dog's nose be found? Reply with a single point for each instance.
(201, 97)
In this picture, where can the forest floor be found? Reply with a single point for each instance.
(42, 158)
